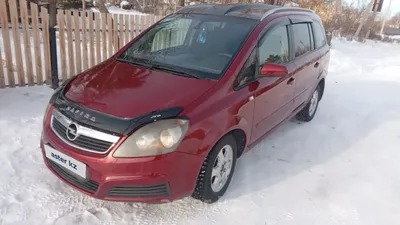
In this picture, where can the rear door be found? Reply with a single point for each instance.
(322, 46)
(306, 58)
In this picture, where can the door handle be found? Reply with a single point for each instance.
(290, 81)
(316, 64)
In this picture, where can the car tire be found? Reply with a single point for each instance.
(309, 111)
(216, 168)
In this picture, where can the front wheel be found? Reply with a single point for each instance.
(308, 112)
(217, 171)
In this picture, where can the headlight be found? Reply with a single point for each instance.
(156, 138)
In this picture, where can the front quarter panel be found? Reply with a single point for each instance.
(214, 119)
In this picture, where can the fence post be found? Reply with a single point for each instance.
(53, 57)
(53, 43)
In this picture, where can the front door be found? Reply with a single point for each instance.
(274, 96)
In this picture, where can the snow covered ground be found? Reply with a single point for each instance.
(397, 37)
(341, 168)
(116, 10)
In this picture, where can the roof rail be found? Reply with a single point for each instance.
(194, 6)
(250, 6)
(286, 9)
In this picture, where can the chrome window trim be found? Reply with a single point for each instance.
(82, 130)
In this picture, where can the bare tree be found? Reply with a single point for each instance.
(102, 6)
(395, 20)
(326, 9)
(364, 18)
(275, 2)
(372, 20)
(139, 5)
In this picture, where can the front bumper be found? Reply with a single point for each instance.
(148, 179)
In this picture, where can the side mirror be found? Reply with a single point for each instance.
(271, 69)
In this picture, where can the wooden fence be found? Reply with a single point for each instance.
(19, 41)
(83, 40)
(87, 38)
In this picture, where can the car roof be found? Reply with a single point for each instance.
(251, 11)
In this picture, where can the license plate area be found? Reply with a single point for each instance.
(71, 165)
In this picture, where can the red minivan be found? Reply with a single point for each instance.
(167, 116)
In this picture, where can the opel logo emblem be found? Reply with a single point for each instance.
(72, 132)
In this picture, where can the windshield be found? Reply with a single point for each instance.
(200, 45)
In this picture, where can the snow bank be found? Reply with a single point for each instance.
(124, 3)
(397, 37)
(116, 10)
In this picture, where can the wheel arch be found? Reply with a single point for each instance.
(240, 137)
(237, 133)
(321, 84)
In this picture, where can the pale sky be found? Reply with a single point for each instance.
(395, 7)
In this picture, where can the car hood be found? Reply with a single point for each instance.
(128, 91)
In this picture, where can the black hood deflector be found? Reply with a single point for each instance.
(104, 122)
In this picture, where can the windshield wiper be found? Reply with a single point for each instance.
(173, 70)
(134, 61)
(147, 64)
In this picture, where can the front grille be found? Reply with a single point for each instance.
(89, 185)
(84, 142)
(144, 191)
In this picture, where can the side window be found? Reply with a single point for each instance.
(247, 74)
(274, 48)
(319, 35)
(302, 40)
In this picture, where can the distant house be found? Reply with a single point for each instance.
(390, 31)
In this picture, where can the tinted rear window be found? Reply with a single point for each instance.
(302, 40)
(319, 35)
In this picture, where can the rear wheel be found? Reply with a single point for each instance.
(308, 112)
(217, 171)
